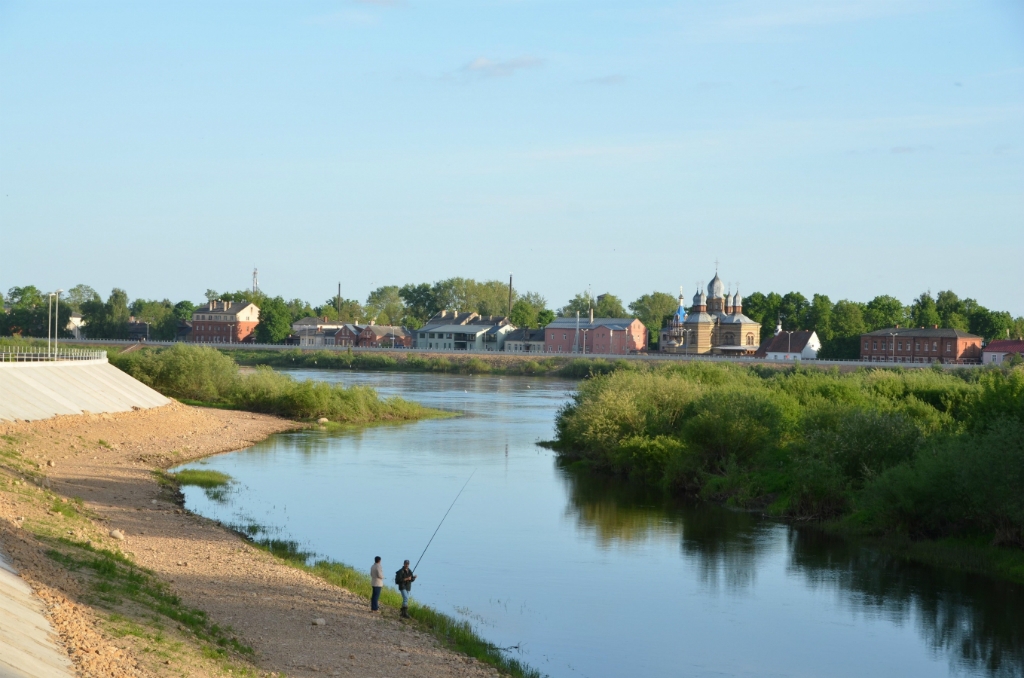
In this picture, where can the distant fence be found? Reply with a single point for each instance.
(17, 354)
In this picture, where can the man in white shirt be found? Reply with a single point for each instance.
(377, 582)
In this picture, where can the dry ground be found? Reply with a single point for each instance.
(107, 461)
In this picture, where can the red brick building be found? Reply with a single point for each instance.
(920, 345)
(224, 322)
(385, 336)
(348, 335)
(608, 336)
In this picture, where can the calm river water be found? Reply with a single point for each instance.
(589, 578)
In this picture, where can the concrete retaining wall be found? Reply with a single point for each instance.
(27, 645)
(40, 390)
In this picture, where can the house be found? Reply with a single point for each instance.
(138, 330)
(796, 345)
(348, 335)
(999, 351)
(453, 331)
(312, 331)
(920, 345)
(76, 326)
(225, 322)
(183, 331)
(610, 336)
(525, 341)
(385, 336)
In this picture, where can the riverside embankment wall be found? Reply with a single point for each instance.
(40, 390)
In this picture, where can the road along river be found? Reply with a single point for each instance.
(588, 577)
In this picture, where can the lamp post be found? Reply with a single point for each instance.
(49, 321)
(789, 349)
(56, 322)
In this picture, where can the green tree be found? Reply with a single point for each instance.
(819, 317)
(30, 315)
(609, 306)
(991, 324)
(884, 311)
(923, 312)
(793, 308)
(163, 324)
(78, 295)
(654, 309)
(420, 302)
(848, 319)
(765, 309)
(523, 314)
(107, 320)
(183, 310)
(275, 321)
(545, 317)
(581, 303)
(386, 305)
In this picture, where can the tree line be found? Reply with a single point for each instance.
(838, 324)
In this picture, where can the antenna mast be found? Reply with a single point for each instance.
(255, 280)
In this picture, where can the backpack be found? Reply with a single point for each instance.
(398, 578)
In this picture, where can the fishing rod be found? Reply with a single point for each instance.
(442, 521)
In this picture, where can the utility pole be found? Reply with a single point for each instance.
(339, 302)
(510, 297)
(255, 281)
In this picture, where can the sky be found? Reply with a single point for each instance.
(845, 147)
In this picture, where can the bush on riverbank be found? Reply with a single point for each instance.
(923, 453)
(203, 374)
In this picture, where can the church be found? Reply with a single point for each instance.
(715, 325)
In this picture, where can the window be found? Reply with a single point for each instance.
(949, 346)
(917, 345)
(865, 345)
(874, 345)
(900, 344)
(935, 346)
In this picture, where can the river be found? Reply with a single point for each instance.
(593, 579)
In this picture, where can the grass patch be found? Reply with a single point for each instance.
(115, 580)
(453, 634)
(200, 478)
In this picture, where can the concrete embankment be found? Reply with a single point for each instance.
(44, 389)
(27, 646)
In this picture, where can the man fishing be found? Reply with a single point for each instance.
(404, 579)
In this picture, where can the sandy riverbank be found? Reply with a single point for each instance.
(107, 461)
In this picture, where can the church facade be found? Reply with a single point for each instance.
(715, 325)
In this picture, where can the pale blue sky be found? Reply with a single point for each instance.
(853, 148)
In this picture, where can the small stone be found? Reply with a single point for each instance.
(51, 463)
(319, 621)
(322, 420)
(152, 501)
(117, 534)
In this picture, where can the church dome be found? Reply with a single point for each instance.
(716, 288)
(737, 300)
(699, 299)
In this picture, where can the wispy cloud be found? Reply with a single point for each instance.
(502, 68)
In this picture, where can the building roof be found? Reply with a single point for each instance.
(738, 318)
(457, 329)
(585, 323)
(699, 317)
(1005, 346)
(780, 343)
(354, 329)
(384, 330)
(929, 332)
(219, 306)
(524, 334)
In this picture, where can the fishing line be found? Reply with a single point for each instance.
(442, 521)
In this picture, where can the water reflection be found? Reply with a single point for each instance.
(975, 622)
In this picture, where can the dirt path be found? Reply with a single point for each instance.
(107, 461)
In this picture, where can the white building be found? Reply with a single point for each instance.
(999, 351)
(796, 345)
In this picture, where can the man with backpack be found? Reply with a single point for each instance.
(404, 579)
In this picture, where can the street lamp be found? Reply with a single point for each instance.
(789, 350)
(56, 322)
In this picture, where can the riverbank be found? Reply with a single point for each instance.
(136, 586)
(930, 460)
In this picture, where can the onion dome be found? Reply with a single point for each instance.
(716, 288)
(699, 299)
(737, 300)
